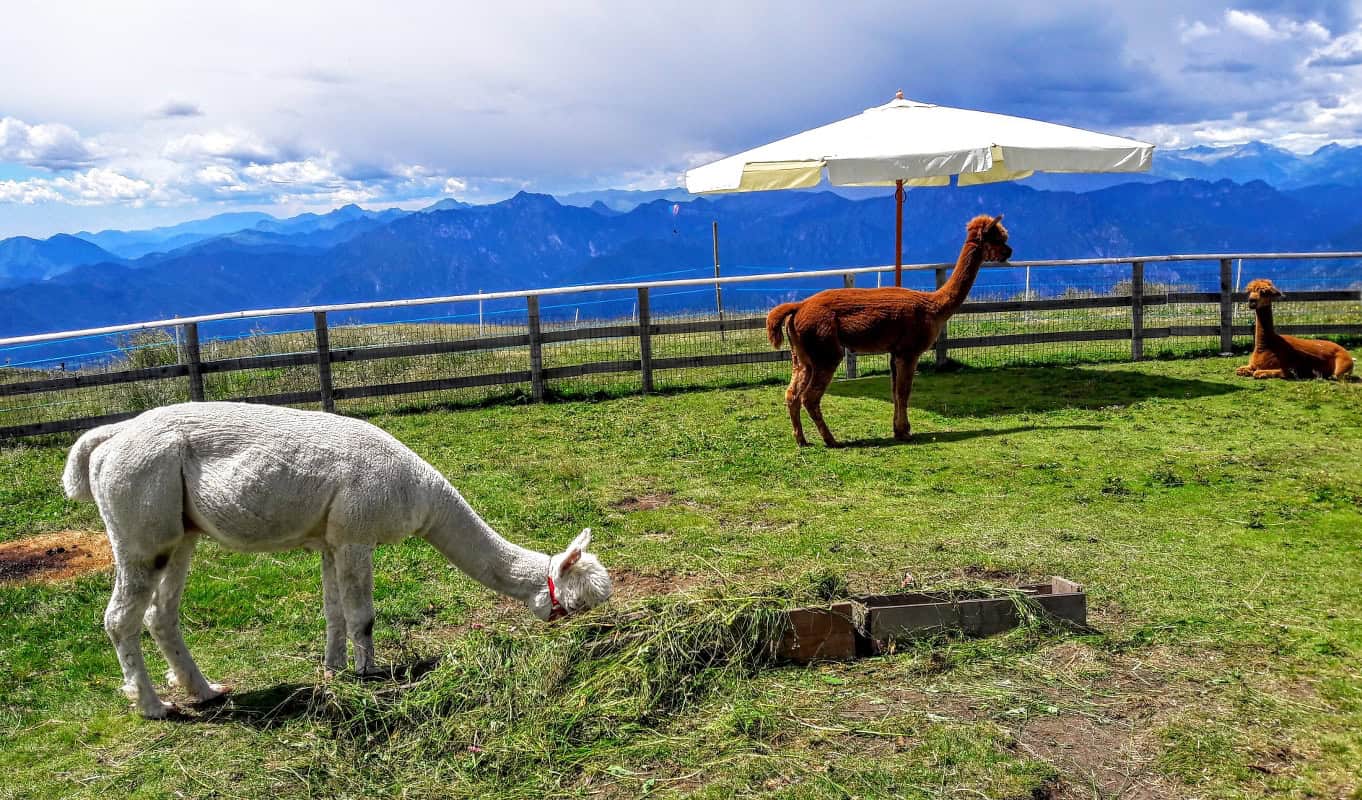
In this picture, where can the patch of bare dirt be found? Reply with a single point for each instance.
(51, 557)
(630, 585)
(1096, 759)
(643, 502)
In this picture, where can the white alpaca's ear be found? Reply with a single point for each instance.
(574, 552)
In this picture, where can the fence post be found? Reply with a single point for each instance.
(1226, 309)
(536, 350)
(1136, 310)
(192, 360)
(941, 355)
(718, 289)
(849, 281)
(324, 359)
(645, 340)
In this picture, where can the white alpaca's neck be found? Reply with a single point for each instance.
(470, 544)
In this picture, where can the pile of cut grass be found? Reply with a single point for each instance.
(519, 707)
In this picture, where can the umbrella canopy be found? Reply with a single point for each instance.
(907, 143)
(922, 145)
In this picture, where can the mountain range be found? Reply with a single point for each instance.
(250, 260)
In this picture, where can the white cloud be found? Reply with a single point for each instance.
(1345, 51)
(231, 145)
(1251, 25)
(49, 145)
(1196, 30)
(28, 192)
(476, 101)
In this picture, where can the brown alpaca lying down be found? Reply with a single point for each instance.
(901, 322)
(1279, 356)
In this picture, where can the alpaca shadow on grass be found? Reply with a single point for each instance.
(274, 705)
(939, 437)
(1011, 390)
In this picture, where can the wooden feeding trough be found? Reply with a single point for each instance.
(867, 625)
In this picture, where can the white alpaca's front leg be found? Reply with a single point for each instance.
(334, 660)
(355, 577)
(163, 620)
(133, 588)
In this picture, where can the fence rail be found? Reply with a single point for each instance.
(645, 328)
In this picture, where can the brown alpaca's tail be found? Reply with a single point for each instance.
(775, 322)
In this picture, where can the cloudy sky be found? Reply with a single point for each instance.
(135, 114)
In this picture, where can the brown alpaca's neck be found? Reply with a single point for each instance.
(1263, 332)
(953, 293)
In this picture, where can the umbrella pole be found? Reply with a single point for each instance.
(898, 263)
(898, 233)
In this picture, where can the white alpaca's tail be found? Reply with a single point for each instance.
(76, 477)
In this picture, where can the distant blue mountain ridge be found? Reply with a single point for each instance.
(239, 261)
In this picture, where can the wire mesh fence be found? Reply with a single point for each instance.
(616, 339)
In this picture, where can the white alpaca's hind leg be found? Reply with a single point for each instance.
(334, 660)
(355, 576)
(163, 620)
(134, 585)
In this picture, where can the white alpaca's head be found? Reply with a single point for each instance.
(580, 581)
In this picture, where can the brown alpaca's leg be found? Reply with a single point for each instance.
(1245, 371)
(904, 367)
(793, 395)
(1269, 373)
(813, 400)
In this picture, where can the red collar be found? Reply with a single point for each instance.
(556, 609)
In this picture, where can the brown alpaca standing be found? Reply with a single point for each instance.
(1278, 356)
(901, 322)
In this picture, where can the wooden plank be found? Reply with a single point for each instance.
(727, 359)
(645, 341)
(819, 634)
(193, 361)
(428, 348)
(849, 282)
(283, 398)
(1137, 311)
(973, 613)
(258, 362)
(1320, 329)
(1315, 330)
(324, 360)
(1190, 297)
(594, 368)
(92, 379)
(1333, 296)
(595, 332)
(1226, 308)
(942, 349)
(708, 326)
(435, 385)
(1051, 304)
(62, 426)
(536, 350)
(1005, 339)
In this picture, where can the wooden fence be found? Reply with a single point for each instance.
(643, 328)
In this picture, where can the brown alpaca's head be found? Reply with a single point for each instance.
(990, 234)
(1261, 292)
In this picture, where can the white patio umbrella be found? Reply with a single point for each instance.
(907, 143)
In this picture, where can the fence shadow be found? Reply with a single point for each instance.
(1008, 390)
(939, 437)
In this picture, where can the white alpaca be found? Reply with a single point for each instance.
(258, 478)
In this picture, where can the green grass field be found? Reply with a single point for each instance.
(1216, 521)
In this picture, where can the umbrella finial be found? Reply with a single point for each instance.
(898, 95)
